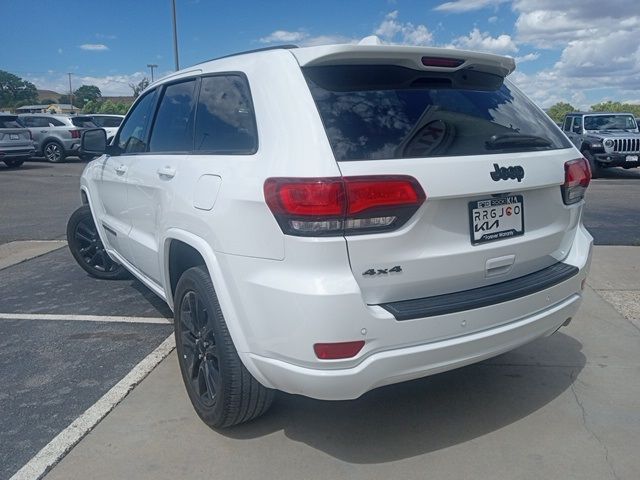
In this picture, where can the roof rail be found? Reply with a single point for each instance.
(264, 49)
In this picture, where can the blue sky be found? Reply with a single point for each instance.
(571, 50)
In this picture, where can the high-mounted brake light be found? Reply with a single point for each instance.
(335, 351)
(342, 205)
(442, 62)
(577, 175)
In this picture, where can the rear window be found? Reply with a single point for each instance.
(107, 122)
(9, 122)
(83, 122)
(374, 112)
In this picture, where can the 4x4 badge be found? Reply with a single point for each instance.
(506, 173)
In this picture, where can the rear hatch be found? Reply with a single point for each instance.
(12, 134)
(489, 161)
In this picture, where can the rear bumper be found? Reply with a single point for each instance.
(404, 364)
(23, 153)
(282, 313)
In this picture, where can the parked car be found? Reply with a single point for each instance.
(56, 136)
(606, 139)
(16, 144)
(327, 220)
(109, 122)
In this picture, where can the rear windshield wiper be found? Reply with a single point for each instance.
(514, 140)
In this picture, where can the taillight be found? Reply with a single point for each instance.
(75, 133)
(335, 351)
(442, 62)
(342, 205)
(577, 175)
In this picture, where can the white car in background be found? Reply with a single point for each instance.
(327, 220)
(110, 123)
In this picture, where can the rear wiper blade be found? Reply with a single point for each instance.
(512, 140)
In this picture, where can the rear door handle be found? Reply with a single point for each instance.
(167, 172)
(121, 169)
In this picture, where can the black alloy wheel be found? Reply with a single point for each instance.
(87, 248)
(199, 349)
(221, 389)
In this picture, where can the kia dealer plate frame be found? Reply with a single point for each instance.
(496, 218)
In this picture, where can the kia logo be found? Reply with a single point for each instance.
(506, 173)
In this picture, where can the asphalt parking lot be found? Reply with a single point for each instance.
(563, 407)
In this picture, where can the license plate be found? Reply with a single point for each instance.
(14, 136)
(632, 158)
(496, 219)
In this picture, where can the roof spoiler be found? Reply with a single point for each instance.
(418, 58)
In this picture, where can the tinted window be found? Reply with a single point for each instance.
(384, 112)
(225, 121)
(83, 122)
(35, 121)
(107, 122)
(9, 122)
(609, 122)
(133, 134)
(577, 123)
(173, 128)
(54, 122)
(567, 124)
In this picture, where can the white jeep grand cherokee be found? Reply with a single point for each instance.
(327, 220)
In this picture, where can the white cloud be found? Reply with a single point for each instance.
(529, 57)
(493, 19)
(484, 42)
(283, 36)
(94, 47)
(457, 6)
(391, 30)
(109, 85)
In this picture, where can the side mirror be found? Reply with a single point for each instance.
(94, 142)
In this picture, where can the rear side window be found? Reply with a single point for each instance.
(133, 134)
(9, 122)
(567, 124)
(83, 122)
(54, 122)
(225, 121)
(173, 127)
(373, 112)
(107, 122)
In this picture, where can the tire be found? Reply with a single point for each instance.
(87, 249)
(13, 163)
(222, 391)
(596, 170)
(54, 152)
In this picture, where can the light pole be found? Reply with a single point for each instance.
(152, 66)
(175, 36)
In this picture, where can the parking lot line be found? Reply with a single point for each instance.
(66, 439)
(84, 318)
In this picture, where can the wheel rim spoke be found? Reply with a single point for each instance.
(199, 350)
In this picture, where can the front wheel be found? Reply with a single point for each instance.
(87, 249)
(221, 389)
(596, 170)
(13, 163)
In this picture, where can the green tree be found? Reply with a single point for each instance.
(92, 106)
(86, 93)
(123, 108)
(107, 107)
(559, 110)
(610, 106)
(139, 87)
(14, 89)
